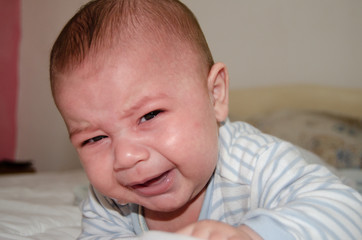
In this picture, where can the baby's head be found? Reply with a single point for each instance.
(103, 27)
(141, 97)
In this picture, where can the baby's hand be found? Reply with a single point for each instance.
(213, 230)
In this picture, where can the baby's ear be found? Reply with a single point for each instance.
(218, 86)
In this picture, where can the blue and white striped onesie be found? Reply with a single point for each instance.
(259, 181)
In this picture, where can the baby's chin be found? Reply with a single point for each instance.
(153, 204)
(174, 205)
(164, 204)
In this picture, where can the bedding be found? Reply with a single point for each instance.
(336, 139)
(41, 205)
(45, 206)
(324, 120)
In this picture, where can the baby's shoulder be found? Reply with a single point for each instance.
(243, 149)
(242, 134)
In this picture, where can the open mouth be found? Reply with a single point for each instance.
(153, 181)
(155, 186)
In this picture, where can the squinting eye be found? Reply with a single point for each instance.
(150, 115)
(93, 140)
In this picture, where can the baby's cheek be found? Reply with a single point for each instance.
(99, 177)
(110, 188)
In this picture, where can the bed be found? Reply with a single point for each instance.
(325, 120)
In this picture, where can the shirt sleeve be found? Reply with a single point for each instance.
(104, 219)
(291, 199)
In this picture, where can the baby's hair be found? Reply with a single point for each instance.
(106, 24)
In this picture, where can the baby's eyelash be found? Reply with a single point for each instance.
(150, 115)
(93, 140)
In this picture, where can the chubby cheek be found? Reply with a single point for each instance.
(99, 170)
(95, 169)
(192, 146)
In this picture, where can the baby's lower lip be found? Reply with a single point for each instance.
(155, 186)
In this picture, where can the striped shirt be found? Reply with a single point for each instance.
(259, 181)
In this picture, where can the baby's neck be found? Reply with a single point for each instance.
(176, 220)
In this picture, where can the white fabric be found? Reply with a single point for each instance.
(44, 206)
(41, 205)
(283, 197)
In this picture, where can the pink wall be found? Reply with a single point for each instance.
(9, 50)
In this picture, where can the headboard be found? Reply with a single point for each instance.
(324, 120)
(248, 102)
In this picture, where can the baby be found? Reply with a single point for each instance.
(146, 108)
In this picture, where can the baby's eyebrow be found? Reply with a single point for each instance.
(73, 132)
(141, 102)
(77, 130)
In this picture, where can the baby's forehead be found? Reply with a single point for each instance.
(162, 58)
(149, 50)
(125, 78)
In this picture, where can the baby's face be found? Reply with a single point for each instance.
(144, 127)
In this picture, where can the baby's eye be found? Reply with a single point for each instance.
(93, 140)
(150, 115)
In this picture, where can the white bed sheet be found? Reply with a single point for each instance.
(41, 205)
(44, 206)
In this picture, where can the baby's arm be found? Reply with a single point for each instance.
(213, 230)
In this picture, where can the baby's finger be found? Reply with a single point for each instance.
(202, 230)
(186, 230)
(197, 231)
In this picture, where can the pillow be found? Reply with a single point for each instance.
(336, 139)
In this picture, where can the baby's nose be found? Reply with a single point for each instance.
(128, 153)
